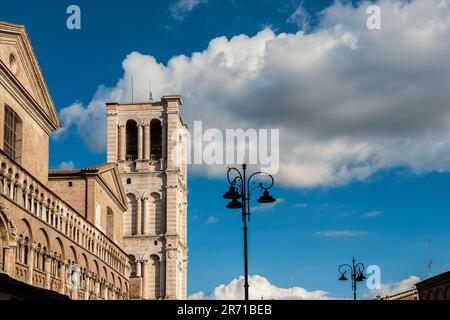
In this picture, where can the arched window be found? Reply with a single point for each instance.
(133, 265)
(109, 223)
(128, 181)
(131, 135)
(155, 139)
(43, 257)
(12, 134)
(24, 256)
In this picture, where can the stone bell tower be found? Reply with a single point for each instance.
(148, 142)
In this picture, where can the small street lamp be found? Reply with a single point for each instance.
(356, 271)
(239, 194)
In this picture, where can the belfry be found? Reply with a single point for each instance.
(147, 141)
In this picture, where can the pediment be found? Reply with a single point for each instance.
(111, 178)
(19, 63)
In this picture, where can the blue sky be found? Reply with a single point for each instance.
(383, 213)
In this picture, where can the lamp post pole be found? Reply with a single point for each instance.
(244, 219)
(240, 188)
(356, 271)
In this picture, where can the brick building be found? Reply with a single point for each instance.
(60, 232)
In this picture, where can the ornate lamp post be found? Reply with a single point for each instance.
(241, 188)
(356, 271)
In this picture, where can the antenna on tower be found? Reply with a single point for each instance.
(430, 262)
(150, 95)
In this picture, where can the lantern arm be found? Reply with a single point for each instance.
(261, 185)
(237, 178)
(359, 268)
(342, 269)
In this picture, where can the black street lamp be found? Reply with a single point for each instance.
(240, 188)
(356, 271)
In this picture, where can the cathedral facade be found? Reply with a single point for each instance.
(147, 141)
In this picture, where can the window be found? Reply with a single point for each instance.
(155, 139)
(128, 181)
(131, 140)
(109, 223)
(12, 134)
(70, 183)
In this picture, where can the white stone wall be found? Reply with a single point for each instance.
(157, 219)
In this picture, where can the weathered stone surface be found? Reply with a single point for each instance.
(156, 189)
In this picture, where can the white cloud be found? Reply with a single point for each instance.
(341, 233)
(180, 8)
(300, 205)
(389, 289)
(372, 214)
(266, 206)
(260, 287)
(348, 101)
(212, 220)
(300, 17)
(65, 166)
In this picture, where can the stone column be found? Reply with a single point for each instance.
(11, 189)
(5, 183)
(147, 142)
(31, 249)
(139, 142)
(145, 215)
(122, 143)
(33, 199)
(38, 208)
(47, 262)
(43, 211)
(97, 288)
(138, 269)
(138, 216)
(86, 294)
(75, 288)
(145, 280)
(9, 258)
(25, 205)
(63, 273)
(17, 192)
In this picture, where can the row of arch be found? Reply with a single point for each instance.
(48, 239)
(142, 142)
(145, 215)
(37, 200)
(48, 261)
(152, 271)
